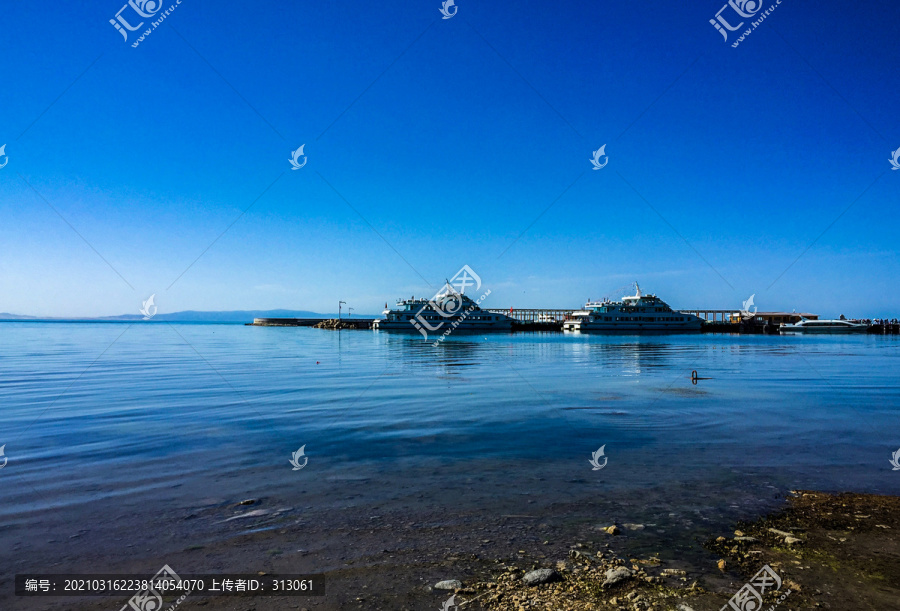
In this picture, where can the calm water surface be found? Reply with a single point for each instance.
(109, 415)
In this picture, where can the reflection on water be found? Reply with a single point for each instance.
(821, 411)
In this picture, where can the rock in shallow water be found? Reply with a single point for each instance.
(448, 584)
(617, 575)
(540, 576)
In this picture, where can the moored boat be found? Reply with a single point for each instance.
(638, 313)
(453, 309)
(835, 326)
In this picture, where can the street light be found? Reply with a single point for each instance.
(340, 303)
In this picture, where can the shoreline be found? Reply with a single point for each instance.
(845, 556)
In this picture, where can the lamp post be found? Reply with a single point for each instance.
(340, 303)
(349, 312)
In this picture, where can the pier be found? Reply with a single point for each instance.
(534, 315)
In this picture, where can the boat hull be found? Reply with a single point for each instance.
(632, 329)
(499, 326)
(645, 326)
(824, 330)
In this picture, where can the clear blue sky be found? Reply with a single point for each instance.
(445, 150)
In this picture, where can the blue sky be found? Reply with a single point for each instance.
(448, 138)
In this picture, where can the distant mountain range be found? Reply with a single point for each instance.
(234, 316)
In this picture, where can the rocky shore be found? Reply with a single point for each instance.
(828, 552)
(335, 324)
(823, 551)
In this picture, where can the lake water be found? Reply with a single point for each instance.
(109, 426)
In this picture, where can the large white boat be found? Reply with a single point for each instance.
(452, 310)
(806, 325)
(634, 314)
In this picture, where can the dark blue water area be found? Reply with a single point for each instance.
(103, 411)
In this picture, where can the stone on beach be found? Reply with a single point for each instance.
(674, 573)
(540, 576)
(448, 584)
(617, 575)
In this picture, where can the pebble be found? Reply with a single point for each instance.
(617, 575)
(448, 584)
(721, 565)
(792, 540)
(611, 530)
(675, 572)
(746, 539)
(540, 576)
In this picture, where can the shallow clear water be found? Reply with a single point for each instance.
(105, 413)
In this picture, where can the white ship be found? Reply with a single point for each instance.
(824, 326)
(435, 316)
(635, 314)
